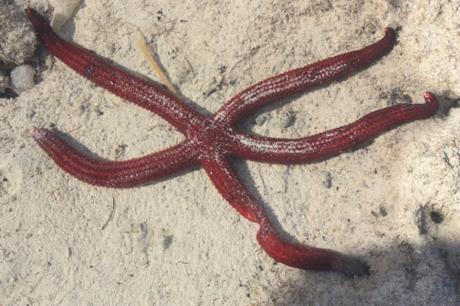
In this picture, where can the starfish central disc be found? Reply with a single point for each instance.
(210, 138)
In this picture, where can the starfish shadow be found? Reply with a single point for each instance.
(400, 268)
(245, 175)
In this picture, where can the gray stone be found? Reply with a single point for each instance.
(17, 40)
(22, 78)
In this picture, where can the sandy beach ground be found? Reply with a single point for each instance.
(395, 202)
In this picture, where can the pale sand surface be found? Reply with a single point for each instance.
(395, 202)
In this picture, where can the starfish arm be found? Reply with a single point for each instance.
(146, 94)
(288, 253)
(333, 142)
(303, 79)
(114, 173)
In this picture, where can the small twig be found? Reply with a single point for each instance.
(147, 53)
(110, 216)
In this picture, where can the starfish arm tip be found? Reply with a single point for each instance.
(39, 134)
(428, 95)
(38, 21)
(29, 11)
(390, 34)
(389, 31)
(431, 100)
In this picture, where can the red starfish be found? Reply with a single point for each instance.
(212, 140)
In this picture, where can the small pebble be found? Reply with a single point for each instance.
(262, 118)
(283, 119)
(22, 78)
